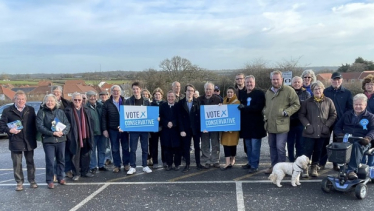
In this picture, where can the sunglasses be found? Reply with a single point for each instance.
(77, 100)
(307, 77)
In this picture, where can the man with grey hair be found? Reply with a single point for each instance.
(342, 99)
(176, 87)
(110, 127)
(281, 102)
(210, 138)
(360, 123)
(57, 91)
(21, 140)
(98, 146)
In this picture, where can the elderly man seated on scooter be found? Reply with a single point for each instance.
(360, 123)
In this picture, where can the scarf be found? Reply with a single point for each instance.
(82, 126)
(319, 99)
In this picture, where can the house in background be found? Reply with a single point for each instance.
(43, 88)
(349, 77)
(6, 94)
(72, 86)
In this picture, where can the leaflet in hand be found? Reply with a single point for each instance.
(15, 124)
(57, 125)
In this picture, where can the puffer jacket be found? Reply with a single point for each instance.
(110, 115)
(26, 139)
(285, 100)
(44, 120)
(317, 118)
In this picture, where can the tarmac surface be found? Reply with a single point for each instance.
(211, 189)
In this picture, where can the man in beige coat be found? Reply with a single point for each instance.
(281, 102)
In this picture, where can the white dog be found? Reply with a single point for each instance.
(281, 169)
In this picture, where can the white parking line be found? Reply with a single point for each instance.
(89, 198)
(13, 178)
(179, 182)
(239, 196)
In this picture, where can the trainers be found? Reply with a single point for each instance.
(147, 169)
(269, 170)
(131, 171)
(116, 170)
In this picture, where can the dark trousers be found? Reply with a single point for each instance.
(323, 159)
(17, 166)
(54, 153)
(357, 153)
(186, 143)
(81, 161)
(68, 161)
(313, 148)
(230, 151)
(295, 140)
(153, 148)
(173, 155)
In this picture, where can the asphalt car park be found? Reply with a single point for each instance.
(210, 189)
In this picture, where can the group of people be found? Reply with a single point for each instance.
(76, 134)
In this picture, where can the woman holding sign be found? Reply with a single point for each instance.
(230, 139)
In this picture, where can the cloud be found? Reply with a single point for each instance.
(75, 36)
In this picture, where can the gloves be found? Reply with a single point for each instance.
(365, 141)
(241, 106)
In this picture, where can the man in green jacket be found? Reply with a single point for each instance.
(281, 102)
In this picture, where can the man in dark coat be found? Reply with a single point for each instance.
(170, 140)
(342, 99)
(21, 140)
(252, 122)
(81, 136)
(189, 126)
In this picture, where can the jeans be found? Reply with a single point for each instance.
(17, 166)
(313, 148)
(134, 137)
(117, 138)
(253, 151)
(98, 147)
(277, 143)
(358, 151)
(370, 160)
(295, 140)
(54, 153)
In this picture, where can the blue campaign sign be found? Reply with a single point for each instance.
(139, 118)
(220, 118)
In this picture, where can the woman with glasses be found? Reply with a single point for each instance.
(368, 87)
(308, 77)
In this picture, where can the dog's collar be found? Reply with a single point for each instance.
(300, 168)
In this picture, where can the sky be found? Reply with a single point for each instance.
(71, 36)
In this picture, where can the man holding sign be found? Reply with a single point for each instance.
(210, 138)
(138, 100)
